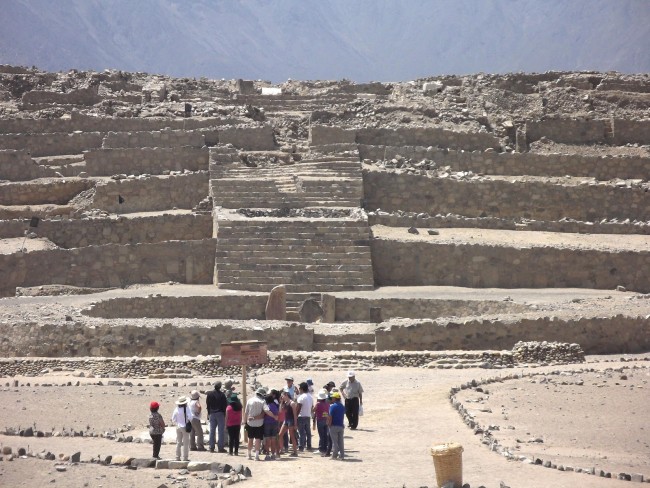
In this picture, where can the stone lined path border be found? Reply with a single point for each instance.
(491, 442)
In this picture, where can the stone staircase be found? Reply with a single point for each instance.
(308, 255)
(325, 181)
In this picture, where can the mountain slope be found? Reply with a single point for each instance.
(311, 39)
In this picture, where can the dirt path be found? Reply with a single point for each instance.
(407, 410)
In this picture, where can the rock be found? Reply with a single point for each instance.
(162, 464)
(620, 288)
(433, 232)
(220, 467)
(178, 464)
(60, 469)
(28, 432)
(432, 87)
(22, 451)
(276, 305)
(76, 457)
(121, 460)
(247, 472)
(198, 466)
(144, 463)
(310, 311)
(413, 230)
(6, 450)
(637, 477)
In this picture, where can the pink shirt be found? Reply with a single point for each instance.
(234, 418)
(321, 411)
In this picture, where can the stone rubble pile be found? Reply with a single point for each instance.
(186, 368)
(312, 213)
(222, 473)
(548, 352)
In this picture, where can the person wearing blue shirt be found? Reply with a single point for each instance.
(336, 426)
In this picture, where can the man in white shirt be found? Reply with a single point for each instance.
(352, 391)
(305, 403)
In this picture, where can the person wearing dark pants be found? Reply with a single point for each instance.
(216, 403)
(156, 428)
(233, 424)
(352, 391)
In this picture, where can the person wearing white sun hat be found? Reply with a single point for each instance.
(181, 417)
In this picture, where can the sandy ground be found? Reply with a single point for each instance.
(407, 411)
(518, 239)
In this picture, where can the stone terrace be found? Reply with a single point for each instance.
(365, 198)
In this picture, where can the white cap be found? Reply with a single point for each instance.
(351, 374)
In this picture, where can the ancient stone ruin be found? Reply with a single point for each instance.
(147, 215)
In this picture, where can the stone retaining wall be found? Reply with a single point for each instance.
(250, 138)
(595, 335)
(135, 338)
(58, 192)
(411, 136)
(569, 131)
(493, 163)
(121, 230)
(162, 138)
(631, 131)
(151, 194)
(19, 166)
(107, 162)
(358, 309)
(81, 96)
(417, 263)
(52, 144)
(111, 265)
(234, 307)
(89, 123)
(498, 198)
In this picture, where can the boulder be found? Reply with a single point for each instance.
(143, 462)
(198, 466)
(276, 306)
(310, 311)
(121, 460)
(76, 457)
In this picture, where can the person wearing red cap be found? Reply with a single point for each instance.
(156, 428)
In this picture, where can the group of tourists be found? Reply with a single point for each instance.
(276, 421)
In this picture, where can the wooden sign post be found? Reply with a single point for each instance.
(244, 353)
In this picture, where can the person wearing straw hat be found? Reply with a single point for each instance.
(352, 392)
(196, 436)
(180, 418)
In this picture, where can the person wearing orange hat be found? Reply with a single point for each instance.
(156, 428)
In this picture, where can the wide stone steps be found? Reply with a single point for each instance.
(299, 287)
(344, 342)
(285, 203)
(305, 255)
